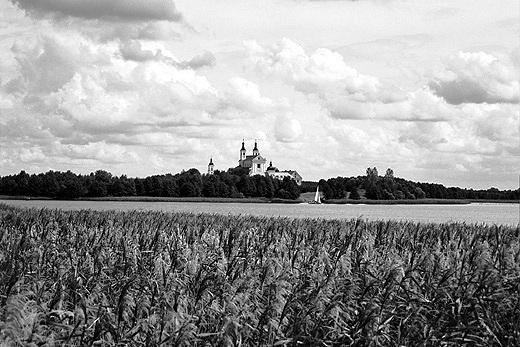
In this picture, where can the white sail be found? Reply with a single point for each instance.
(317, 198)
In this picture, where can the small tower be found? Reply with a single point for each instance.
(211, 166)
(243, 151)
(255, 150)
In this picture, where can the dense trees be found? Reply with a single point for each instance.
(235, 183)
(389, 187)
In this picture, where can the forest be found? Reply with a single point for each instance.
(235, 183)
(389, 187)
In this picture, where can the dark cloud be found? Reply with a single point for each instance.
(45, 67)
(132, 50)
(477, 77)
(460, 91)
(158, 31)
(205, 59)
(119, 10)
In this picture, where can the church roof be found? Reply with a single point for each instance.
(271, 167)
(259, 159)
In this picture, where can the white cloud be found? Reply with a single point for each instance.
(45, 65)
(477, 77)
(101, 151)
(287, 128)
(103, 102)
(29, 155)
(339, 88)
(320, 73)
(6, 102)
(245, 94)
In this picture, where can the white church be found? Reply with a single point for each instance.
(256, 165)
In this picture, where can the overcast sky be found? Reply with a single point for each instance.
(329, 88)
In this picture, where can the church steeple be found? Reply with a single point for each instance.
(255, 150)
(211, 166)
(243, 151)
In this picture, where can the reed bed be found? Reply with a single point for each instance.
(87, 278)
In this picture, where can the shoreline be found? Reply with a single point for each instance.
(272, 201)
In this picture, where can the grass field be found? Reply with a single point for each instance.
(89, 278)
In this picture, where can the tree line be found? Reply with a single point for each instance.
(388, 187)
(235, 183)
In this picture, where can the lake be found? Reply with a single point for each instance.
(489, 213)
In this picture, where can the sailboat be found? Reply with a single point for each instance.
(317, 197)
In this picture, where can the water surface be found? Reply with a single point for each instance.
(488, 213)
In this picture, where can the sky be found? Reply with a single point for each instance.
(327, 88)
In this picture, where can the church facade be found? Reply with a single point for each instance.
(255, 162)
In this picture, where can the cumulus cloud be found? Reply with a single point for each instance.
(202, 60)
(91, 101)
(45, 65)
(342, 90)
(473, 130)
(120, 10)
(126, 31)
(29, 155)
(160, 30)
(6, 102)
(477, 77)
(100, 151)
(124, 114)
(287, 128)
(133, 50)
(321, 73)
(246, 94)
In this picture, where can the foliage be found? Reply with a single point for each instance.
(354, 194)
(86, 278)
(389, 187)
(235, 183)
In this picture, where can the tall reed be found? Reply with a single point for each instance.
(112, 278)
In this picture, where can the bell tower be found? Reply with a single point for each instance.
(255, 150)
(211, 167)
(243, 151)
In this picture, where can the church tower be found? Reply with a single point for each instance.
(211, 167)
(255, 150)
(243, 151)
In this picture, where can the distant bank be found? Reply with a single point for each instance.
(304, 198)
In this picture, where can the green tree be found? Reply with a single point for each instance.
(419, 193)
(354, 194)
(288, 189)
(246, 186)
(188, 189)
